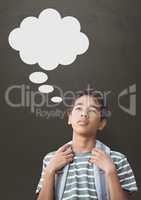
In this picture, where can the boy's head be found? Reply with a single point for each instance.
(88, 112)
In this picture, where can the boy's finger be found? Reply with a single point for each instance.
(64, 147)
(93, 151)
(68, 151)
(97, 150)
(70, 155)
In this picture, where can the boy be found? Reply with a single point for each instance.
(85, 168)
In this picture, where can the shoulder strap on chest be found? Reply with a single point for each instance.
(100, 179)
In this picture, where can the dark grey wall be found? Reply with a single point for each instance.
(111, 63)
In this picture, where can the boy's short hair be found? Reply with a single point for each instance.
(98, 97)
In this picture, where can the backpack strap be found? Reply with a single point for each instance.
(60, 182)
(100, 179)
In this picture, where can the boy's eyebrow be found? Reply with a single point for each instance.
(93, 106)
(77, 104)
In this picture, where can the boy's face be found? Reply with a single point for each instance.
(85, 117)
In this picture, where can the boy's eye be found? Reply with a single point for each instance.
(93, 110)
(78, 108)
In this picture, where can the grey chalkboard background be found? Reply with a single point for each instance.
(111, 64)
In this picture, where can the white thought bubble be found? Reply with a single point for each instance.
(46, 88)
(38, 77)
(56, 99)
(49, 40)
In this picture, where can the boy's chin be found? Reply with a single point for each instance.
(83, 131)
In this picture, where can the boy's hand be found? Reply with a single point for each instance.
(103, 161)
(62, 156)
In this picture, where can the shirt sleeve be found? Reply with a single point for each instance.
(40, 183)
(126, 175)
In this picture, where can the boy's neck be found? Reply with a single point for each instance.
(81, 144)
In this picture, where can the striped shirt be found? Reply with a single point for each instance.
(80, 182)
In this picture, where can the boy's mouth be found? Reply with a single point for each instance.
(83, 122)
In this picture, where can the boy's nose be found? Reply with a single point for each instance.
(84, 114)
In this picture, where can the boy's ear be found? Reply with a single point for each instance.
(102, 124)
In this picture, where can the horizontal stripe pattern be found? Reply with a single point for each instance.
(125, 172)
(80, 174)
(81, 177)
(77, 196)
